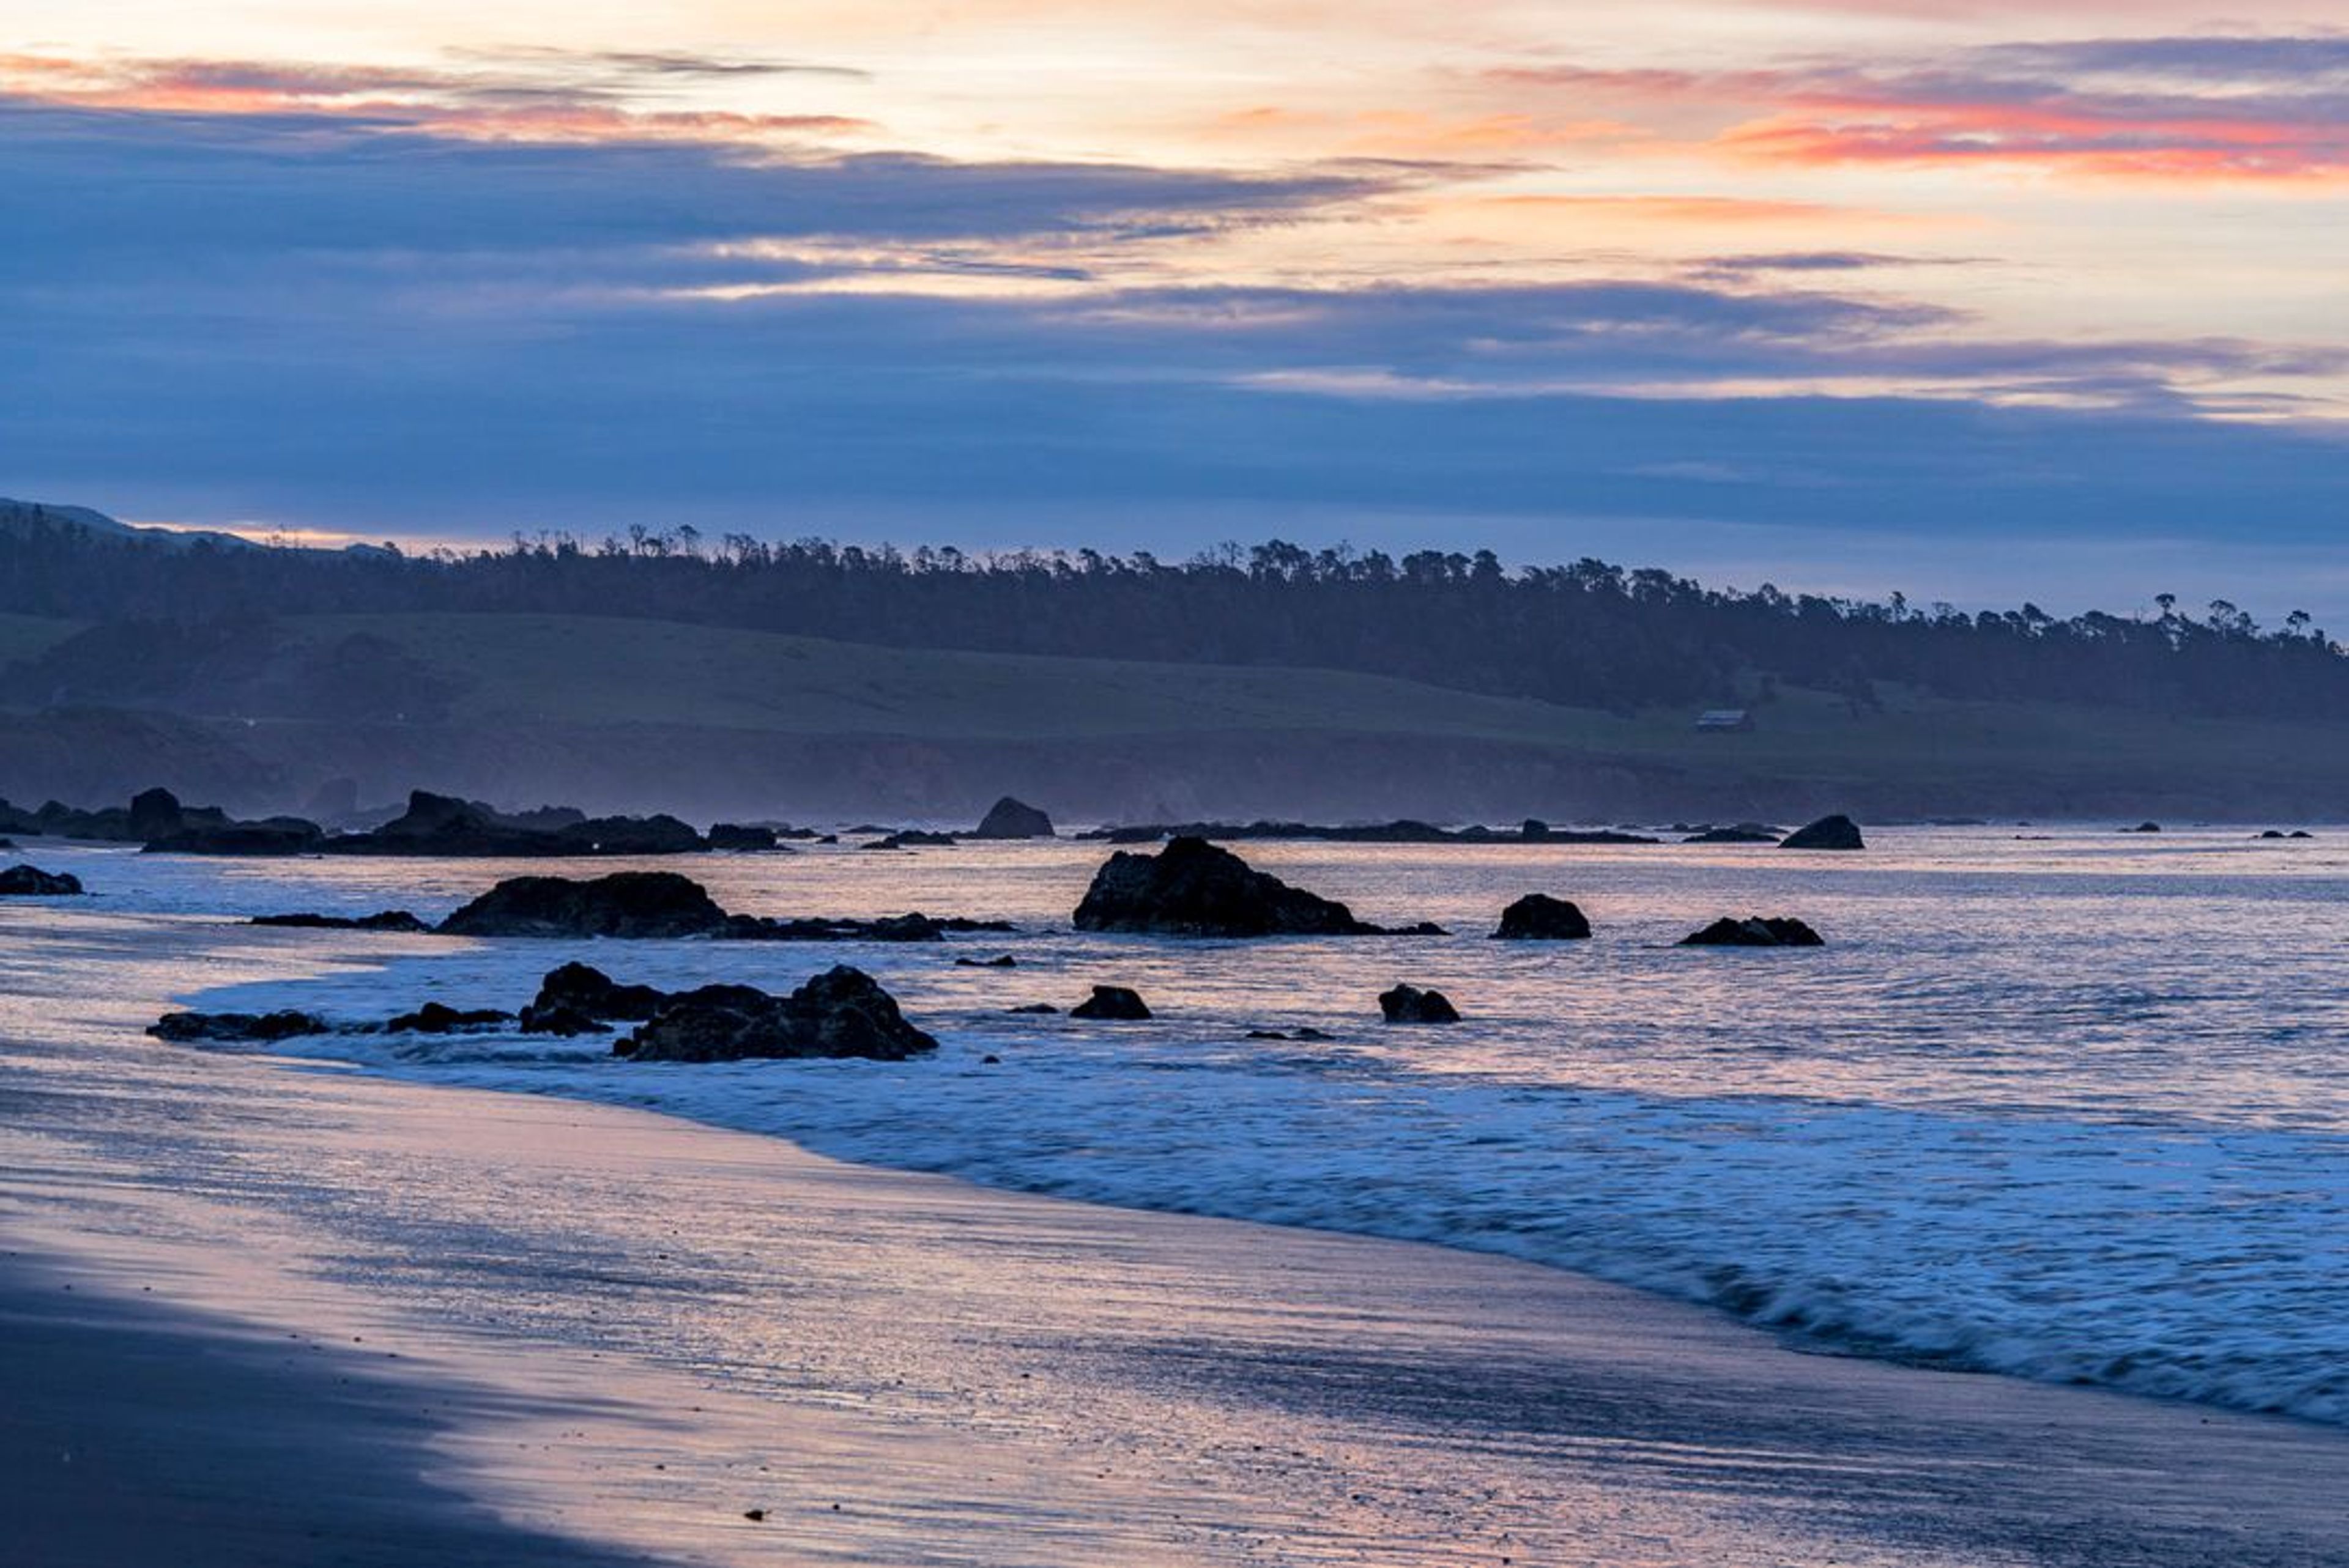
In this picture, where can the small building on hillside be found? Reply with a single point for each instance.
(1725, 719)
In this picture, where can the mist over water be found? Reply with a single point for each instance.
(2072, 1105)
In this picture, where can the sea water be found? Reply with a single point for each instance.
(2067, 1104)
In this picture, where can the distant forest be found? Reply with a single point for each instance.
(1589, 633)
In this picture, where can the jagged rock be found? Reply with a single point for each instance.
(840, 1012)
(584, 989)
(1192, 888)
(1001, 960)
(1835, 833)
(438, 1019)
(1114, 1001)
(1410, 1004)
(242, 1028)
(625, 904)
(1537, 917)
(32, 882)
(445, 825)
(1754, 931)
(1010, 819)
(741, 836)
(385, 920)
(155, 814)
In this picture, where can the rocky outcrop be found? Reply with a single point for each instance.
(1537, 917)
(439, 1018)
(32, 882)
(1754, 931)
(1111, 1002)
(840, 1012)
(398, 920)
(1403, 831)
(1192, 888)
(587, 992)
(237, 1028)
(742, 836)
(444, 825)
(912, 839)
(625, 905)
(1835, 833)
(271, 836)
(1010, 819)
(1410, 1004)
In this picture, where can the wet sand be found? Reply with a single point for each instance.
(591, 1325)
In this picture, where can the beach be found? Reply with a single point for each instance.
(625, 1334)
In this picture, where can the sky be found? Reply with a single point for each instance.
(1974, 300)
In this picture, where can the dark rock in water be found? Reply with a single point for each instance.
(1010, 819)
(245, 1028)
(1191, 888)
(1401, 831)
(1537, 917)
(914, 927)
(384, 920)
(1743, 833)
(1035, 1007)
(2144, 828)
(840, 1012)
(911, 839)
(990, 1060)
(2300, 833)
(1410, 1004)
(625, 904)
(8, 843)
(274, 836)
(1267, 1034)
(1835, 833)
(585, 989)
(564, 1021)
(436, 1018)
(1754, 931)
(32, 882)
(1307, 1032)
(155, 814)
(741, 836)
(660, 834)
(1001, 960)
(445, 825)
(1115, 1002)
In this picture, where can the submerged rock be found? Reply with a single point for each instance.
(625, 903)
(242, 1028)
(1537, 917)
(1001, 960)
(1035, 1007)
(1754, 931)
(32, 882)
(1743, 833)
(1192, 888)
(383, 920)
(1113, 1002)
(1010, 819)
(2144, 828)
(913, 927)
(840, 1012)
(1410, 1004)
(1835, 833)
(438, 1019)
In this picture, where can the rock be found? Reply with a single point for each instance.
(625, 904)
(1010, 819)
(914, 927)
(1035, 1007)
(1537, 917)
(840, 1012)
(385, 920)
(740, 836)
(658, 834)
(911, 839)
(990, 1060)
(583, 989)
(2144, 828)
(1835, 833)
(242, 1028)
(1002, 961)
(8, 843)
(1267, 1034)
(1307, 1032)
(564, 1021)
(155, 814)
(1410, 1004)
(274, 836)
(436, 1018)
(1743, 833)
(1754, 931)
(32, 882)
(1192, 888)
(1113, 1002)
(445, 825)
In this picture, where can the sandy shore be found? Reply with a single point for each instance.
(581, 1330)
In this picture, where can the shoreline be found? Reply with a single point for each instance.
(983, 1376)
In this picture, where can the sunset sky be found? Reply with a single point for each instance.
(1973, 299)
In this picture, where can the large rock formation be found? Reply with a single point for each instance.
(840, 1012)
(271, 836)
(1010, 819)
(1835, 833)
(625, 904)
(1410, 1004)
(445, 825)
(1754, 931)
(1191, 888)
(32, 882)
(1537, 917)
(741, 836)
